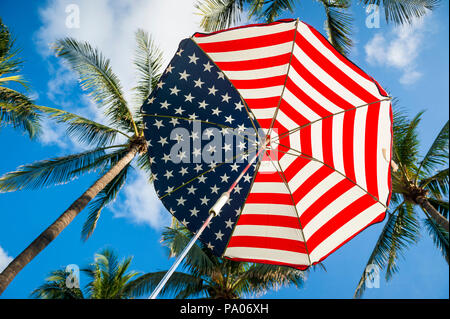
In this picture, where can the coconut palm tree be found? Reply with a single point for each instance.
(221, 14)
(418, 184)
(109, 278)
(16, 109)
(208, 276)
(112, 159)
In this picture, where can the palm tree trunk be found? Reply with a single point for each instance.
(437, 217)
(48, 235)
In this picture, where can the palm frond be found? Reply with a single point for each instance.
(84, 130)
(338, 24)
(438, 184)
(9, 63)
(19, 111)
(148, 61)
(442, 206)
(54, 171)
(439, 236)
(107, 195)
(401, 11)
(55, 287)
(269, 10)
(219, 14)
(97, 77)
(437, 155)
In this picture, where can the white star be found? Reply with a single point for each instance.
(204, 200)
(198, 168)
(237, 189)
(179, 138)
(229, 119)
(238, 211)
(183, 171)
(169, 189)
(197, 152)
(151, 100)
(202, 179)
(224, 178)
(169, 69)
(227, 147)
(241, 146)
(219, 235)
(229, 223)
(212, 90)
(214, 189)
(181, 201)
(191, 190)
(158, 124)
(194, 136)
(181, 155)
(179, 111)
(174, 121)
(234, 167)
(184, 221)
(163, 141)
(226, 97)
(168, 174)
(210, 246)
(165, 105)
(213, 164)
(220, 75)
(160, 85)
(211, 149)
(166, 158)
(239, 106)
(247, 178)
(216, 111)
(194, 211)
(208, 132)
(183, 75)
(189, 97)
(193, 116)
(174, 90)
(203, 105)
(207, 66)
(179, 52)
(199, 83)
(193, 58)
(241, 128)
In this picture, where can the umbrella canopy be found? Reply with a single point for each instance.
(321, 126)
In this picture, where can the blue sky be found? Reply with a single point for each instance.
(412, 63)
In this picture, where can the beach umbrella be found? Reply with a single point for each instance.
(268, 144)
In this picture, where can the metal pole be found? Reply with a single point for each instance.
(213, 212)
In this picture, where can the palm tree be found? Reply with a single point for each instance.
(109, 278)
(418, 184)
(16, 109)
(211, 277)
(111, 159)
(221, 14)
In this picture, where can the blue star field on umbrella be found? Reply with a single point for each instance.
(200, 139)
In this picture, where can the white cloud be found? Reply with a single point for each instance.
(140, 204)
(4, 259)
(400, 49)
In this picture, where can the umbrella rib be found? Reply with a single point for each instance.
(300, 154)
(326, 117)
(283, 177)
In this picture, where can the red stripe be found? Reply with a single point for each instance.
(344, 216)
(371, 149)
(268, 243)
(347, 144)
(326, 199)
(305, 141)
(269, 262)
(269, 220)
(269, 198)
(295, 167)
(327, 141)
(293, 114)
(249, 43)
(255, 64)
(311, 182)
(268, 178)
(306, 99)
(263, 103)
(200, 34)
(259, 83)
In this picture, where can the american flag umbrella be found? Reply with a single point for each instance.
(268, 144)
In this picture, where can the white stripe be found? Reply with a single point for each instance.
(269, 187)
(384, 142)
(270, 209)
(287, 159)
(312, 92)
(303, 175)
(258, 73)
(261, 93)
(247, 32)
(269, 231)
(326, 79)
(316, 141)
(320, 189)
(287, 122)
(252, 54)
(359, 145)
(311, 38)
(267, 254)
(337, 137)
(332, 210)
(264, 113)
(299, 106)
(352, 227)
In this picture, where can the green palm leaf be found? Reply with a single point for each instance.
(439, 236)
(98, 79)
(56, 288)
(338, 24)
(219, 14)
(438, 184)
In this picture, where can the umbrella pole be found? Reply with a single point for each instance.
(215, 209)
